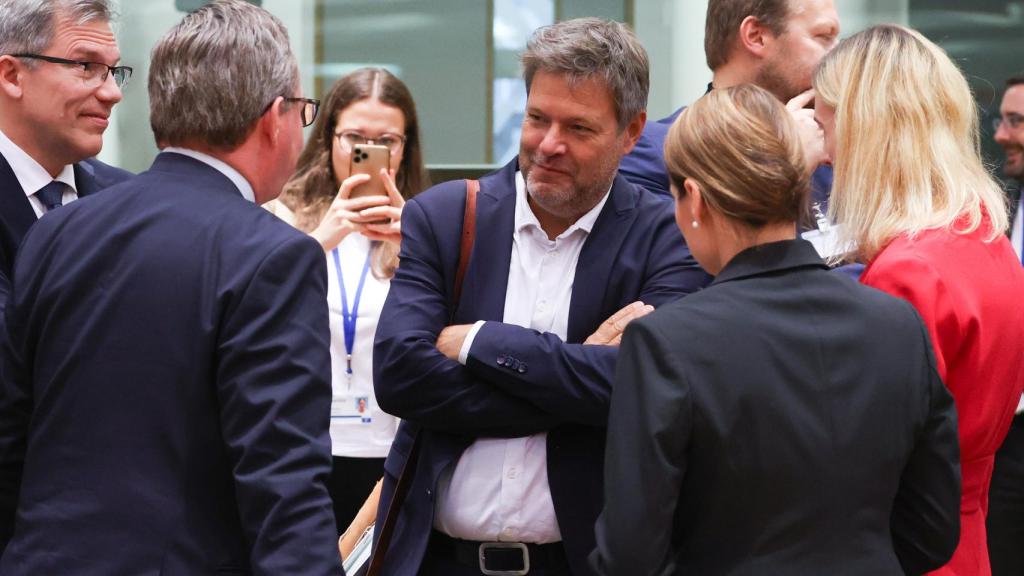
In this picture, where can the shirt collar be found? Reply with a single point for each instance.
(234, 175)
(525, 217)
(30, 174)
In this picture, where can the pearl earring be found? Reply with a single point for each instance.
(695, 224)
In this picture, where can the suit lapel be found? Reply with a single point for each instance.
(14, 205)
(85, 180)
(487, 275)
(597, 260)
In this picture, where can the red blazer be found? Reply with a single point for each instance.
(970, 294)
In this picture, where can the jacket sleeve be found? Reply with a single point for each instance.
(412, 378)
(571, 379)
(15, 411)
(925, 520)
(273, 386)
(648, 434)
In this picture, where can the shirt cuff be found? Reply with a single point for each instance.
(468, 342)
(1020, 405)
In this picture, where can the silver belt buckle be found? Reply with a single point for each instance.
(485, 546)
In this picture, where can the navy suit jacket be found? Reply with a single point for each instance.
(167, 391)
(645, 165)
(634, 252)
(16, 214)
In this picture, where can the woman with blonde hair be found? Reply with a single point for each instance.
(915, 203)
(361, 237)
(784, 420)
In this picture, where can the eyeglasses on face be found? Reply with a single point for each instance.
(1012, 121)
(93, 73)
(349, 138)
(310, 107)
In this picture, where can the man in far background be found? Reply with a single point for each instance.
(775, 44)
(1006, 494)
(59, 81)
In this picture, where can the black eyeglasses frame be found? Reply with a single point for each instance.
(122, 72)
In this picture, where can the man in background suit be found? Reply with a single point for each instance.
(54, 109)
(1005, 522)
(167, 388)
(511, 399)
(774, 44)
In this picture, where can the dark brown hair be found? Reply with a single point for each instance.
(723, 24)
(312, 189)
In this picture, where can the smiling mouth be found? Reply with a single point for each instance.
(548, 168)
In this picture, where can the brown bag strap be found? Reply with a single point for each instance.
(409, 468)
(468, 237)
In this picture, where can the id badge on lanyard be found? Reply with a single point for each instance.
(346, 406)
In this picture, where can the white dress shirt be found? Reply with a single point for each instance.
(498, 490)
(32, 176)
(359, 428)
(219, 165)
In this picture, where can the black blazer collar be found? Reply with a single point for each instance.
(769, 258)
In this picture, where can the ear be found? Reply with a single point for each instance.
(754, 37)
(633, 131)
(269, 125)
(10, 77)
(697, 209)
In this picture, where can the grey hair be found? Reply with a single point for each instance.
(214, 74)
(28, 26)
(585, 47)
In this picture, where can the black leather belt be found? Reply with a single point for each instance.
(502, 558)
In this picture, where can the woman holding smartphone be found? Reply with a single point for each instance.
(912, 195)
(361, 235)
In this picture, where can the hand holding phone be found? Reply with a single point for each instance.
(344, 215)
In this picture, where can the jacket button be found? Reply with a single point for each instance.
(501, 360)
(522, 368)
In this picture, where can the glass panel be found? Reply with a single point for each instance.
(514, 21)
(984, 38)
(438, 48)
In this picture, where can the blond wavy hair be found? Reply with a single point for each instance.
(907, 148)
(743, 149)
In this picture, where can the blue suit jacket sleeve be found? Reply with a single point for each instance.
(415, 381)
(15, 412)
(573, 379)
(274, 390)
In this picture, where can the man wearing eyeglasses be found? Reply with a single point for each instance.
(165, 399)
(1005, 521)
(59, 81)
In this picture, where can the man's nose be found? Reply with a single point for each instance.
(553, 142)
(109, 91)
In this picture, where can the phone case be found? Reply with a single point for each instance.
(369, 159)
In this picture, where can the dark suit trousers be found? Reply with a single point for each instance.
(1005, 522)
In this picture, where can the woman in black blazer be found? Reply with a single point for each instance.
(784, 420)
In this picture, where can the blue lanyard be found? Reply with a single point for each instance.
(348, 319)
